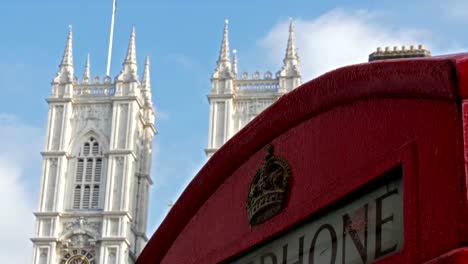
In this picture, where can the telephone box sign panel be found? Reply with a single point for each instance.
(366, 229)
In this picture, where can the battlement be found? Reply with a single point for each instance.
(256, 76)
(272, 84)
(256, 82)
(398, 53)
(94, 90)
(96, 87)
(95, 80)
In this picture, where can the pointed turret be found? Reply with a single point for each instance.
(129, 69)
(65, 73)
(224, 51)
(146, 83)
(87, 71)
(131, 51)
(148, 113)
(223, 65)
(234, 63)
(291, 56)
(67, 59)
(290, 76)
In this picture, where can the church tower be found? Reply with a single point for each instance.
(95, 181)
(236, 100)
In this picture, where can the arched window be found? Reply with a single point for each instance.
(87, 179)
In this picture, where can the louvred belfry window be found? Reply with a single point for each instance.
(88, 175)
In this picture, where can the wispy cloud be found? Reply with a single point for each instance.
(16, 208)
(19, 156)
(338, 38)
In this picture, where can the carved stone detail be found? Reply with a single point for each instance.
(251, 107)
(81, 225)
(268, 189)
(119, 161)
(95, 117)
(53, 162)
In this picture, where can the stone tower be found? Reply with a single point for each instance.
(235, 100)
(95, 180)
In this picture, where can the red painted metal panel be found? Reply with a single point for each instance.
(338, 133)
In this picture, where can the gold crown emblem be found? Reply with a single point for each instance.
(268, 189)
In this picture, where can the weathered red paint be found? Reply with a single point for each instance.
(338, 133)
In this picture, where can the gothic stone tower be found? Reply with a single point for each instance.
(236, 100)
(95, 181)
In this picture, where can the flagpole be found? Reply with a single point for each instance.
(111, 37)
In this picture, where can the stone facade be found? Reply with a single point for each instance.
(235, 99)
(96, 165)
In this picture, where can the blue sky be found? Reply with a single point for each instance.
(182, 39)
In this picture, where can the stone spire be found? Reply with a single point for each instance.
(131, 51)
(234, 62)
(148, 112)
(67, 59)
(224, 52)
(129, 69)
(146, 83)
(290, 75)
(87, 71)
(291, 56)
(65, 73)
(223, 67)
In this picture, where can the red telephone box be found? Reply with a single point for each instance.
(363, 164)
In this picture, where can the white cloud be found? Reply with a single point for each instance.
(19, 163)
(338, 38)
(16, 208)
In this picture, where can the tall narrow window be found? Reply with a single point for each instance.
(86, 149)
(77, 197)
(95, 148)
(79, 170)
(89, 170)
(86, 190)
(97, 170)
(95, 201)
(86, 194)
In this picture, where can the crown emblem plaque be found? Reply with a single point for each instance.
(268, 189)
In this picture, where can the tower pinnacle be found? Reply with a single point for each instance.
(67, 59)
(129, 69)
(146, 81)
(223, 67)
(65, 73)
(224, 52)
(291, 52)
(131, 51)
(290, 75)
(87, 70)
(234, 62)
